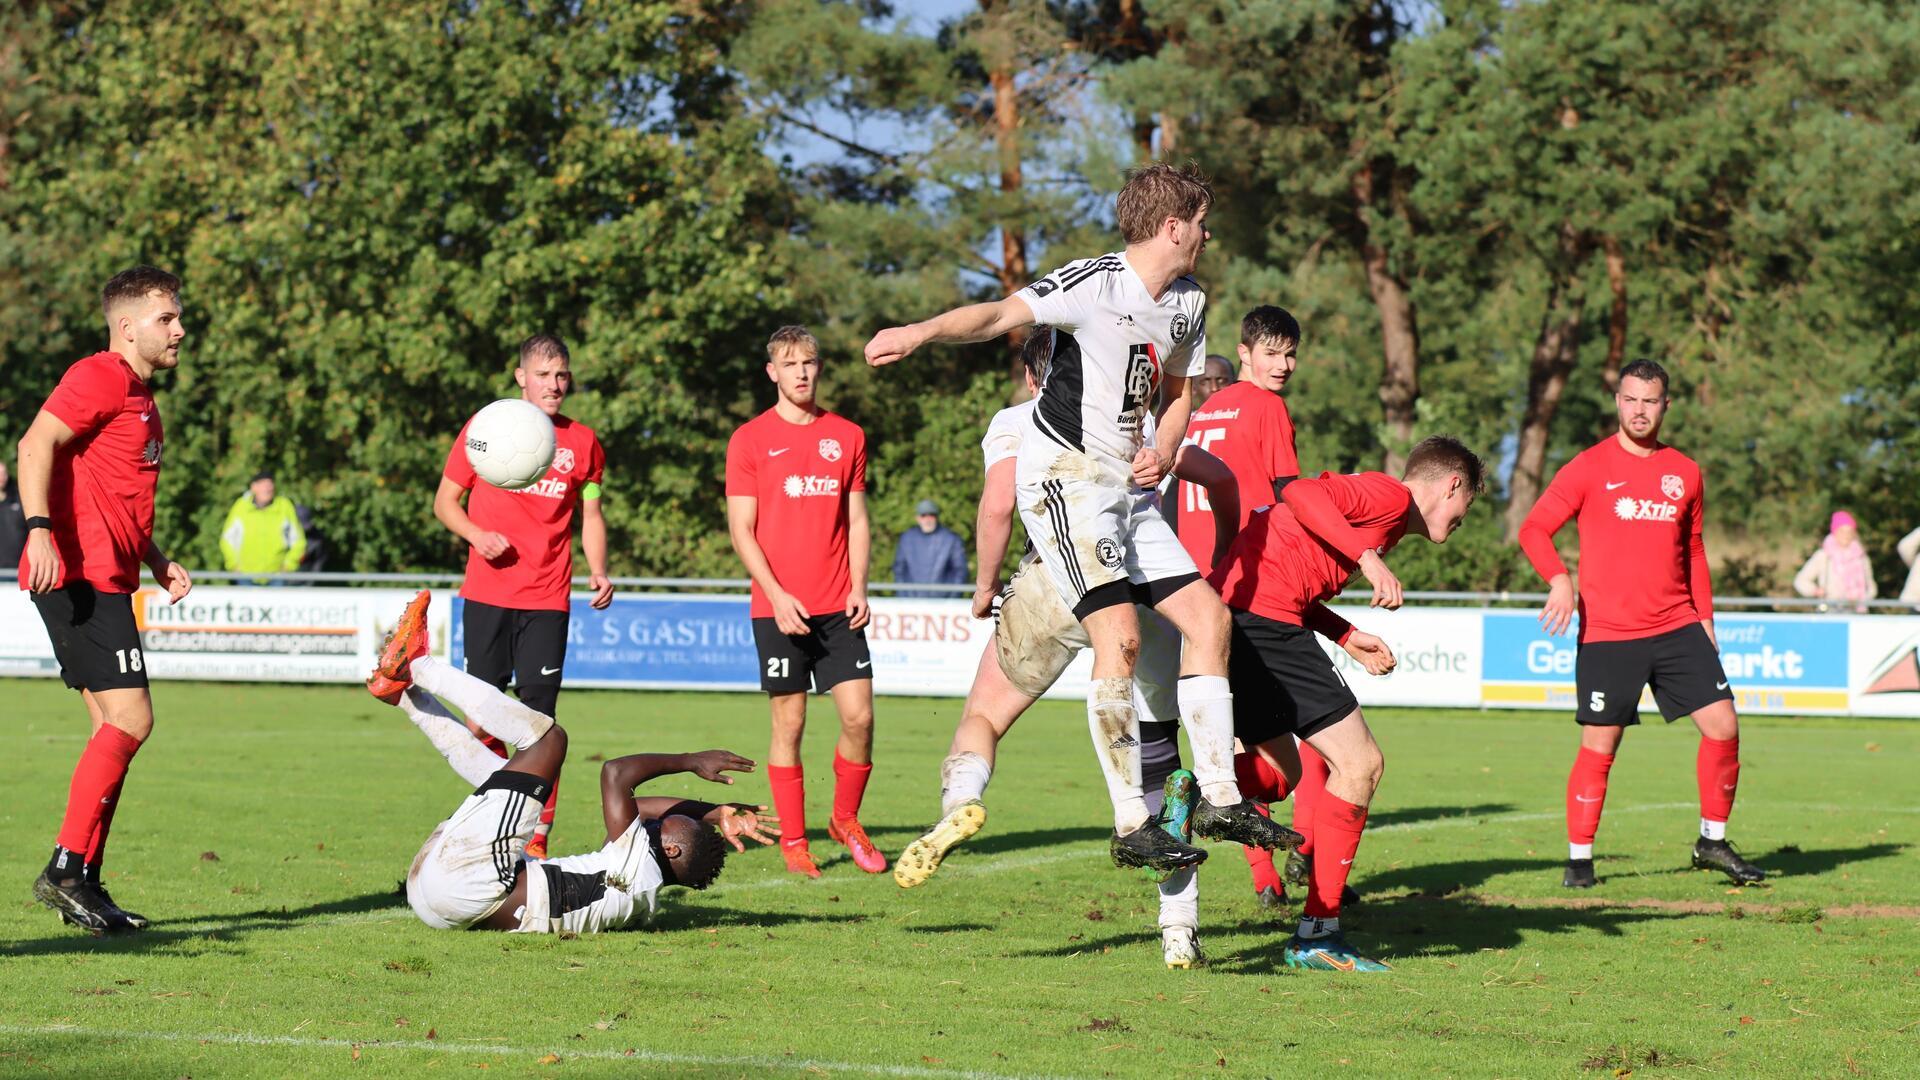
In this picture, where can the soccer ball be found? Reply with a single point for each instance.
(510, 443)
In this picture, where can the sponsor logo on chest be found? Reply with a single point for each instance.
(551, 487)
(1628, 508)
(800, 487)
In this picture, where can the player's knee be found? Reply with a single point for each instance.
(857, 722)
(554, 741)
(135, 720)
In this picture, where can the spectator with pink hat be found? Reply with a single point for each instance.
(1838, 571)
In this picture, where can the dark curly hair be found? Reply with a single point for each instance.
(702, 852)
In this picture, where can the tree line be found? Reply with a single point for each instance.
(1478, 210)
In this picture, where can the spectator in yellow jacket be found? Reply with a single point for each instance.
(262, 534)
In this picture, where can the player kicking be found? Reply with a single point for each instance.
(1283, 567)
(1246, 425)
(88, 467)
(520, 551)
(1646, 616)
(1035, 639)
(797, 514)
(1130, 323)
(473, 872)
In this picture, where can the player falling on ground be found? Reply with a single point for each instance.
(1035, 639)
(1132, 325)
(473, 872)
(1246, 425)
(1646, 616)
(520, 554)
(797, 514)
(1284, 566)
(88, 467)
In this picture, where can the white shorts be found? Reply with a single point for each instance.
(1092, 530)
(1037, 638)
(467, 867)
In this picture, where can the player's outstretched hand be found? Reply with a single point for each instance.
(1149, 467)
(714, 764)
(45, 560)
(890, 345)
(1386, 587)
(789, 616)
(177, 582)
(858, 613)
(1557, 614)
(1371, 652)
(602, 592)
(736, 820)
(983, 595)
(491, 545)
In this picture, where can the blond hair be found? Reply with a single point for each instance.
(1153, 193)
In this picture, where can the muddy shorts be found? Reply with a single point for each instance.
(1037, 638)
(1102, 542)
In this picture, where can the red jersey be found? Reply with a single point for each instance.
(1292, 558)
(536, 573)
(1249, 428)
(1643, 561)
(801, 475)
(101, 499)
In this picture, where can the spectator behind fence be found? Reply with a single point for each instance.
(1909, 549)
(13, 523)
(930, 553)
(262, 534)
(1838, 571)
(315, 560)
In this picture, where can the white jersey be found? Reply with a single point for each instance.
(604, 890)
(1112, 345)
(1003, 433)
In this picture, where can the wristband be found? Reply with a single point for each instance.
(40, 523)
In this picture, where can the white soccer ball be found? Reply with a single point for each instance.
(510, 443)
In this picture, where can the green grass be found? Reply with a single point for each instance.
(265, 830)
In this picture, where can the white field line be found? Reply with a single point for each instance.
(657, 1057)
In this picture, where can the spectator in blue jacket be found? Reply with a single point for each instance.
(930, 553)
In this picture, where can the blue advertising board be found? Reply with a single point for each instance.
(656, 642)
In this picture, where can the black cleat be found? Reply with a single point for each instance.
(77, 904)
(117, 915)
(1271, 899)
(1579, 874)
(1719, 855)
(1242, 824)
(1299, 865)
(1150, 846)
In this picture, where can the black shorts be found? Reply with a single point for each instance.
(1681, 666)
(94, 637)
(1283, 683)
(526, 647)
(829, 656)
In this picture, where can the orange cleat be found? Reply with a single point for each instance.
(799, 858)
(865, 855)
(387, 690)
(537, 848)
(406, 642)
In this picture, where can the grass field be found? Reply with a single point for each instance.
(266, 829)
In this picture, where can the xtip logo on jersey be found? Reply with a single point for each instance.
(549, 486)
(799, 487)
(1627, 508)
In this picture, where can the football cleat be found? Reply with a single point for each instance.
(1181, 793)
(1331, 953)
(1271, 898)
(387, 690)
(922, 857)
(537, 847)
(1719, 855)
(407, 641)
(125, 920)
(1579, 874)
(77, 904)
(1180, 945)
(1299, 866)
(1242, 823)
(1151, 846)
(799, 859)
(865, 855)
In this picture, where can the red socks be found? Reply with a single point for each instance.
(1313, 784)
(1262, 783)
(1337, 824)
(1718, 770)
(499, 748)
(95, 789)
(1586, 794)
(789, 802)
(849, 787)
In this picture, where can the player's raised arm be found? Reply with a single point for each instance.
(619, 778)
(35, 478)
(974, 322)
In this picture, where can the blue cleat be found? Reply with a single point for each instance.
(1331, 953)
(1182, 791)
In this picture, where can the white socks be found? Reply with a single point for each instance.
(963, 778)
(1115, 728)
(468, 755)
(499, 715)
(1580, 851)
(1206, 709)
(1713, 830)
(1180, 900)
(1312, 929)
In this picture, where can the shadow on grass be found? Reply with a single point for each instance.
(201, 934)
(1792, 861)
(682, 917)
(1413, 814)
(1447, 877)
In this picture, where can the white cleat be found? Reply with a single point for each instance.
(1181, 946)
(922, 857)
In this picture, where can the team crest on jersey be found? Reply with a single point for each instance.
(563, 460)
(1108, 552)
(1672, 487)
(830, 449)
(1181, 324)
